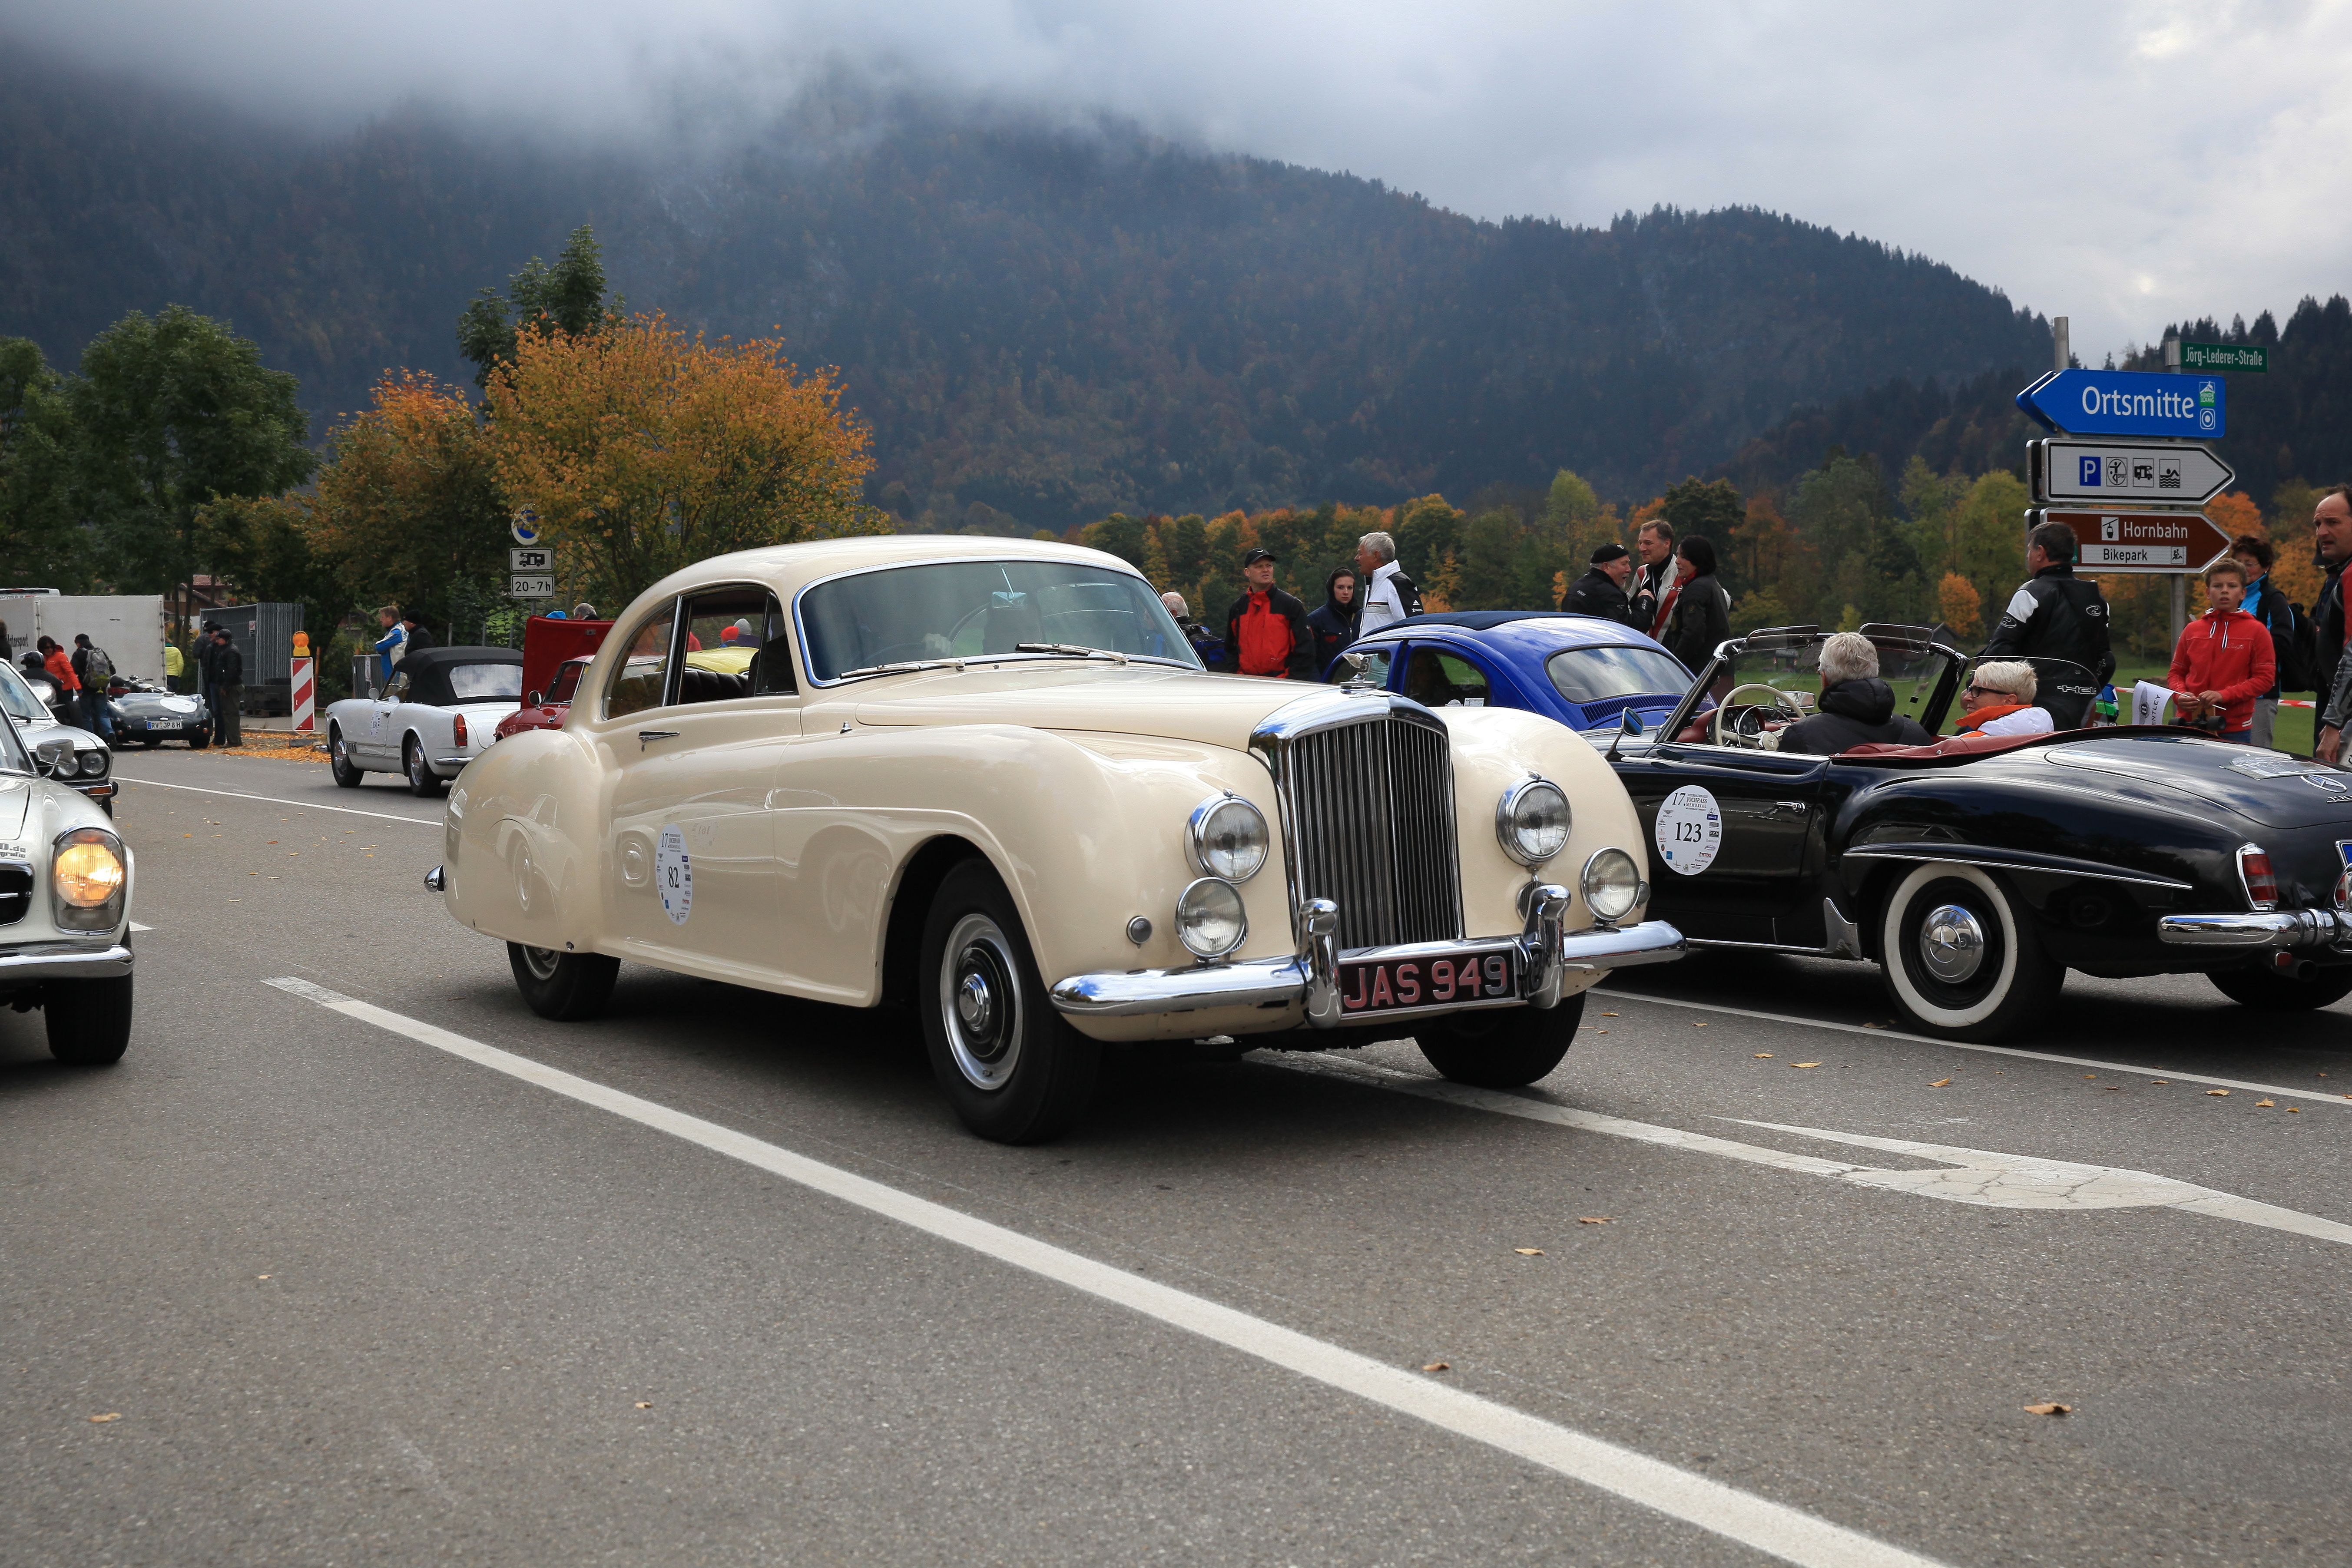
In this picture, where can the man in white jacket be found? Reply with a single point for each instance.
(1390, 595)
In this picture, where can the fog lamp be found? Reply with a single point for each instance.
(1612, 885)
(1210, 920)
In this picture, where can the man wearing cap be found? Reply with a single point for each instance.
(1600, 592)
(1266, 630)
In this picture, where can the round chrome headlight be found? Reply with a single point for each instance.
(1229, 838)
(93, 763)
(87, 870)
(1532, 820)
(1210, 920)
(1612, 885)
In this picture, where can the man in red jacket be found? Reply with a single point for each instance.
(1266, 630)
(2225, 659)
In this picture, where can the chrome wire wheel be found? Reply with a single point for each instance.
(542, 962)
(980, 1002)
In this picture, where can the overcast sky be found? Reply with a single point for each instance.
(2121, 163)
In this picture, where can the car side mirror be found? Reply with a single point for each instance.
(1628, 724)
(54, 755)
(533, 699)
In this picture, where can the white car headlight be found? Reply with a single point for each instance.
(87, 877)
(1229, 838)
(1210, 920)
(1532, 820)
(1612, 885)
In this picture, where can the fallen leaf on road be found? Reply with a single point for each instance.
(2050, 1410)
(2219, 1094)
(2159, 1082)
(645, 1404)
(2292, 1109)
(1699, 1026)
(1874, 1026)
(1592, 1219)
(2090, 1075)
(1941, 1083)
(1437, 1366)
(1528, 1251)
(261, 1276)
(1614, 1015)
(2115, 1088)
(2264, 1104)
(1763, 1056)
(102, 1420)
(1804, 1064)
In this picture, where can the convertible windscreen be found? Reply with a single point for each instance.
(953, 610)
(17, 698)
(485, 683)
(1597, 675)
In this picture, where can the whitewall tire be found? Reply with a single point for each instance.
(1960, 955)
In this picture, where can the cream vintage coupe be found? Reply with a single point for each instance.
(989, 780)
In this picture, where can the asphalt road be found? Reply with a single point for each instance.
(351, 1295)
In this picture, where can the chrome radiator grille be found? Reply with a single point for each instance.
(1371, 809)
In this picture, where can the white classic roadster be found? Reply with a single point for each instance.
(441, 707)
(65, 904)
(989, 780)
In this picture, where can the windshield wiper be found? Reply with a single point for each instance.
(1071, 651)
(902, 666)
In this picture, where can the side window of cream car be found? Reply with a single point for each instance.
(735, 646)
(641, 680)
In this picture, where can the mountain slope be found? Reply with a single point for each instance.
(1045, 323)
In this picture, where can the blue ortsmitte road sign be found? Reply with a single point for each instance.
(2130, 402)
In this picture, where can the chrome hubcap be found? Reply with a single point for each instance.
(540, 961)
(980, 1002)
(1951, 944)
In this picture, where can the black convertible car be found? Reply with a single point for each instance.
(1977, 870)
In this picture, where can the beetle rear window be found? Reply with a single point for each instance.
(947, 610)
(1597, 675)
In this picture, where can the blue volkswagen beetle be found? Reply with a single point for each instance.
(1585, 672)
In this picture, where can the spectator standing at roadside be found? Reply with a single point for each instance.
(1386, 595)
(1699, 614)
(1333, 621)
(418, 637)
(61, 672)
(206, 651)
(1204, 642)
(393, 642)
(93, 669)
(2225, 659)
(229, 692)
(2057, 615)
(176, 664)
(2331, 535)
(1600, 591)
(1653, 587)
(1266, 630)
(2266, 604)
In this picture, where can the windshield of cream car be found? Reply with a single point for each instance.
(975, 608)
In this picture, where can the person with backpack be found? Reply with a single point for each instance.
(1388, 595)
(2057, 615)
(1333, 621)
(93, 669)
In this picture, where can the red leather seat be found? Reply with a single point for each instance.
(1950, 747)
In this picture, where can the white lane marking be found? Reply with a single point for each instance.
(1982, 1178)
(2307, 1095)
(279, 801)
(1769, 1527)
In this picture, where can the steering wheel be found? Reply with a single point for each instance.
(1748, 729)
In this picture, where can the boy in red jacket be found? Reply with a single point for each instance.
(2225, 659)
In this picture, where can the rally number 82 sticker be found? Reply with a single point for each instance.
(674, 874)
(1690, 830)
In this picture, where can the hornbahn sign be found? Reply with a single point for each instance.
(2130, 402)
(2124, 473)
(2137, 541)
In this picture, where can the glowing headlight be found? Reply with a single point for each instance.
(93, 763)
(87, 870)
(1532, 820)
(1229, 838)
(1612, 885)
(1210, 920)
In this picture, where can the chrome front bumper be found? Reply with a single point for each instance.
(62, 961)
(2279, 928)
(1309, 978)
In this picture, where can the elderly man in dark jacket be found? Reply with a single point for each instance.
(1857, 708)
(1600, 592)
(229, 692)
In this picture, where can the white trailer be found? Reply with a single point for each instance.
(128, 626)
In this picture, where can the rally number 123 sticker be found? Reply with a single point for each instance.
(1690, 830)
(674, 875)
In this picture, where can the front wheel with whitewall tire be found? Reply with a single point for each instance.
(1507, 1047)
(1011, 1067)
(2265, 990)
(1960, 957)
(347, 773)
(566, 987)
(422, 781)
(88, 1021)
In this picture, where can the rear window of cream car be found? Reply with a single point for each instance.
(973, 609)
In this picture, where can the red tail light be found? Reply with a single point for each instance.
(2254, 871)
(457, 722)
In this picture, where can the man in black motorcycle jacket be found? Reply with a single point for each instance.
(2057, 615)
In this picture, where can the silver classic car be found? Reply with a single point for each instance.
(65, 904)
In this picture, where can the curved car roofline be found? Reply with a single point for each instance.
(1591, 630)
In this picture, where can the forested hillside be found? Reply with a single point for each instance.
(1042, 325)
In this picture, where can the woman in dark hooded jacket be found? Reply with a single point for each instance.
(1333, 622)
(1701, 616)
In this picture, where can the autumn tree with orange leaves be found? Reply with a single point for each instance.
(642, 450)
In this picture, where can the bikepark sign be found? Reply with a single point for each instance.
(2130, 402)
(2112, 541)
(2124, 473)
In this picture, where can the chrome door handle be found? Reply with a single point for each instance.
(1795, 807)
(647, 736)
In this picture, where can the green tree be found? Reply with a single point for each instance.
(40, 529)
(169, 412)
(568, 297)
(1711, 508)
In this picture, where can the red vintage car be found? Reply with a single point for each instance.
(544, 710)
